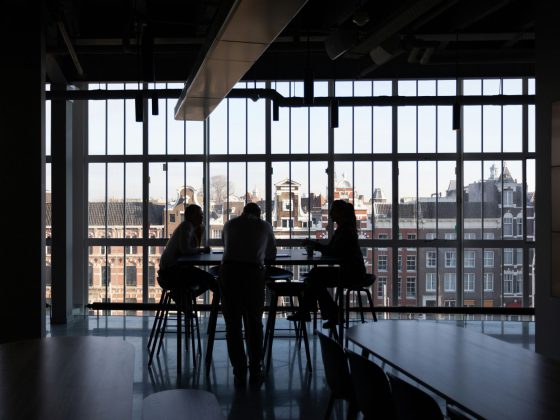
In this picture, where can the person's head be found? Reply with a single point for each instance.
(343, 213)
(252, 209)
(193, 214)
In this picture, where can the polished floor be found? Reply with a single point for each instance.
(290, 391)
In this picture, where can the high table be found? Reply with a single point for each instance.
(292, 256)
(66, 378)
(486, 377)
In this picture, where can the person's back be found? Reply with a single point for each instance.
(248, 239)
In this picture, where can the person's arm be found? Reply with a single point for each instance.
(188, 238)
(270, 253)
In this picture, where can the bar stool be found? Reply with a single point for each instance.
(281, 289)
(357, 290)
(160, 325)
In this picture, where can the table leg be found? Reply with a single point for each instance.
(340, 310)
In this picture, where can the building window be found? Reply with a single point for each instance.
(382, 262)
(431, 259)
(508, 225)
(105, 275)
(90, 275)
(431, 282)
(450, 236)
(449, 282)
(382, 236)
(151, 275)
(171, 218)
(411, 262)
(287, 205)
(130, 275)
(430, 235)
(508, 198)
(508, 256)
(488, 259)
(381, 287)
(488, 282)
(470, 235)
(508, 283)
(399, 262)
(488, 235)
(450, 259)
(411, 287)
(469, 279)
(399, 287)
(519, 256)
(469, 259)
(519, 223)
(102, 250)
(287, 223)
(411, 236)
(449, 303)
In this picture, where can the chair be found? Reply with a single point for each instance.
(411, 402)
(337, 375)
(357, 290)
(159, 327)
(277, 290)
(371, 388)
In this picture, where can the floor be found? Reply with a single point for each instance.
(290, 391)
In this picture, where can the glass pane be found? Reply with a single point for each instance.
(256, 126)
(115, 197)
(133, 194)
(176, 130)
(407, 129)
(428, 199)
(530, 209)
(473, 200)
(492, 128)
(380, 261)
(382, 199)
(319, 129)
(237, 188)
(318, 199)
(512, 282)
(408, 199)
(115, 123)
(512, 199)
(447, 137)
(363, 184)
(491, 263)
(237, 123)
(96, 127)
(299, 130)
(426, 129)
(343, 135)
(218, 128)
(513, 128)
(157, 130)
(472, 128)
(531, 128)
(382, 129)
(446, 201)
(362, 129)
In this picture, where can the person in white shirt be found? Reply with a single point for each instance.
(185, 240)
(248, 242)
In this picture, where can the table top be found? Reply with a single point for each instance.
(486, 376)
(291, 256)
(66, 378)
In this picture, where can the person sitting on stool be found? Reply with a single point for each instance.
(248, 242)
(185, 240)
(343, 245)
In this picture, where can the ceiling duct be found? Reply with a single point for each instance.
(247, 31)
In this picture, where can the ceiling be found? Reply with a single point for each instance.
(163, 40)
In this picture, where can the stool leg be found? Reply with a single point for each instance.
(164, 326)
(157, 328)
(212, 320)
(347, 309)
(303, 334)
(359, 293)
(370, 299)
(270, 328)
(156, 318)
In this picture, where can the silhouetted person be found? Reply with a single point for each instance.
(185, 240)
(248, 241)
(343, 245)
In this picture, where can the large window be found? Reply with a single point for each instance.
(431, 203)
